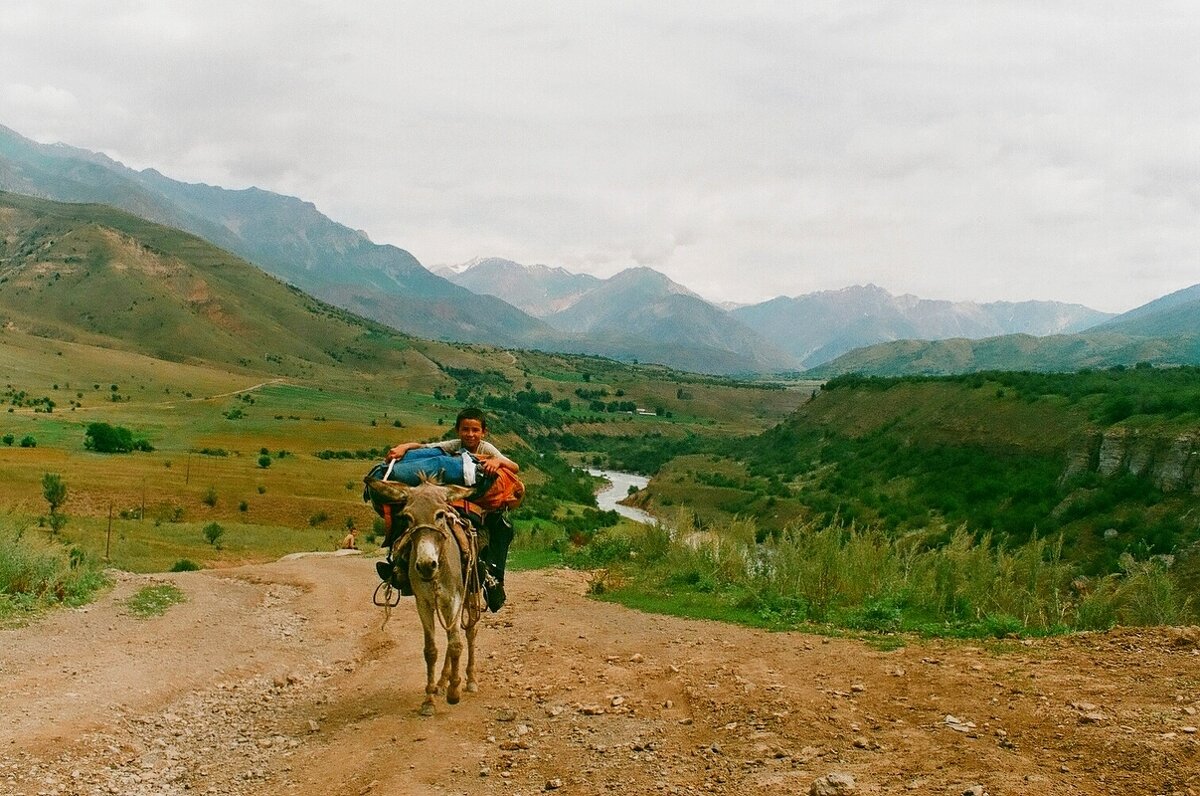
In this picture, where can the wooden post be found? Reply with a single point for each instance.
(108, 537)
(187, 476)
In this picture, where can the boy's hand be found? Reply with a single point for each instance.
(490, 466)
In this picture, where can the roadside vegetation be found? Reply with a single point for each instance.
(37, 573)
(835, 576)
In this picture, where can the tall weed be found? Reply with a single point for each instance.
(861, 577)
(36, 573)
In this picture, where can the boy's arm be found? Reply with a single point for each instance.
(508, 464)
(495, 461)
(401, 449)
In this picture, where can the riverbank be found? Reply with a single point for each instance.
(608, 498)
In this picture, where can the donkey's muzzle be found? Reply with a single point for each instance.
(427, 569)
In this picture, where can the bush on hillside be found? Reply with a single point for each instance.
(105, 438)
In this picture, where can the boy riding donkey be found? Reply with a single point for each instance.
(470, 427)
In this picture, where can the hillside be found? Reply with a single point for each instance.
(96, 275)
(1109, 459)
(285, 236)
(819, 327)
(1176, 314)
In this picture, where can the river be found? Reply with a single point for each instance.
(618, 489)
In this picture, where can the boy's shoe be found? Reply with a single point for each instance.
(494, 596)
(396, 574)
(493, 589)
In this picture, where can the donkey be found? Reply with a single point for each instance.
(435, 569)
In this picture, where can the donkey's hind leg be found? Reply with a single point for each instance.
(454, 645)
(472, 686)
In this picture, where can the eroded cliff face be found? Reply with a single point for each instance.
(1172, 462)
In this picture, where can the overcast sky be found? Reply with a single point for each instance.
(955, 150)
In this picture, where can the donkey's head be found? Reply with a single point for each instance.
(425, 509)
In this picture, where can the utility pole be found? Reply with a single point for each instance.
(108, 537)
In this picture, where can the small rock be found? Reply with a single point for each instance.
(835, 784)
(975, 790)
(1095, 717)
(313, 726)
(554, 784)
(636, 658)
(1188, 730)
(858, 688)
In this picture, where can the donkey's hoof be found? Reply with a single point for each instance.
(453, 696)
(472, 687)
(427, 709)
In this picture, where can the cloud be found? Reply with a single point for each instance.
(984, 151)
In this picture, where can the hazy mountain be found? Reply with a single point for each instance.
(1165, 331)
(819, 327)
(283, 235)
(539, 290)
(641, 313)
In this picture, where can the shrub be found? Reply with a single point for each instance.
(264, 461)
(28, 442)
(185, 565)
(209, 498)
(213, 533)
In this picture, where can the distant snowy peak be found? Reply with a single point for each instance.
(539, 290)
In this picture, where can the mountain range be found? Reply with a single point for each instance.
(638, 314)
(1163, 332)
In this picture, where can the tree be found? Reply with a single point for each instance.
(55, 492)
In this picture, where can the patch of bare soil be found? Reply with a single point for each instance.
(280, 679)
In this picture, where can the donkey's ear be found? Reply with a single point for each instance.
(390, 491)
(455, 492)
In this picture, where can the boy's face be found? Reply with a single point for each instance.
(471, 433)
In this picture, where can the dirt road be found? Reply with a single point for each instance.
(278, 679)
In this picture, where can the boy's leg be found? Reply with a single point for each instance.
(394, 569)
(500, 536)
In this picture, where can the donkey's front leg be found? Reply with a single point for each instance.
(431, 656)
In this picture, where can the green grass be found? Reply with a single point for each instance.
(523, 560)
(150, 601)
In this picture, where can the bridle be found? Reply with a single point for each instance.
(469, 609)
